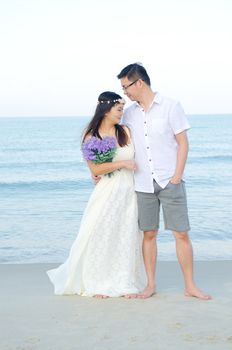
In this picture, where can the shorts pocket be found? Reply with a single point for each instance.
(175, 190)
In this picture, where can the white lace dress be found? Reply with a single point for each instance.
(106, 257)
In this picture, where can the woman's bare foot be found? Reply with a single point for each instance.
(147, 293)
(101, 296)
(130, 296)
(197, 293)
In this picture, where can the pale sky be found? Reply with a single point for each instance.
(58, 56)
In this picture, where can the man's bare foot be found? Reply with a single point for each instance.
(130, 296)
(197, 293)
(147, 293)
(101, 296)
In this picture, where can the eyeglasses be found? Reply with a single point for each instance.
(127, 86)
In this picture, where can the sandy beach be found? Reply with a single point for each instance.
(32, 318)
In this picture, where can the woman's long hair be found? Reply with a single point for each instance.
(106, 101)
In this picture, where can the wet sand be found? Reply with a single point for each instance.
(32, 318)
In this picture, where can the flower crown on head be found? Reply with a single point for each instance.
(119, 100)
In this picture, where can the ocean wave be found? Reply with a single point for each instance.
(42, 164)
(213, 158)
(204, 250)
(47, 185)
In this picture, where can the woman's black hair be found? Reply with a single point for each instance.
(106, 101)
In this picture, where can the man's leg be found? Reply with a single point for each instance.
(149, 256)
(148, 213)
(185, 256)
(174, 202)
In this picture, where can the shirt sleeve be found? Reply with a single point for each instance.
(178, 119)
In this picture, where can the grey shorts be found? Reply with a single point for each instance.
(174, 204)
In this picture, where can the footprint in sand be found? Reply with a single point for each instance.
(188, 337)
(32, 340)
(133, 339)
(213, 338)
(178, 325)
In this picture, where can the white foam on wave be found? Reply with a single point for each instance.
(203, 250)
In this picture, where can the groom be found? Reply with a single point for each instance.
(158, 126)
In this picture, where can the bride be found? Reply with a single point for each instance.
(106, 259)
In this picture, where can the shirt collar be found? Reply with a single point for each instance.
(157, 99)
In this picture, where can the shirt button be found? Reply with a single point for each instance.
(149, 160)
(145, 122)
(145, 134)
(148, 147)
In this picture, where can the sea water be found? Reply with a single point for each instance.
(45, 186)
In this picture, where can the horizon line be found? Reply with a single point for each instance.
(87, 116)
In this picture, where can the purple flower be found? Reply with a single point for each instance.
(99, 151)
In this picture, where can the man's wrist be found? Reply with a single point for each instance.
(176, 179)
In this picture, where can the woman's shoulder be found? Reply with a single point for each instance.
(87, 137)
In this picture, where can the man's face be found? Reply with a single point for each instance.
(130, 88)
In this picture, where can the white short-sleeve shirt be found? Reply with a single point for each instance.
(153, 134)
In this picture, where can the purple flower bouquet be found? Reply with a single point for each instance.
(100, 150)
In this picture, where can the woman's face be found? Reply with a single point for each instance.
(115, 114)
